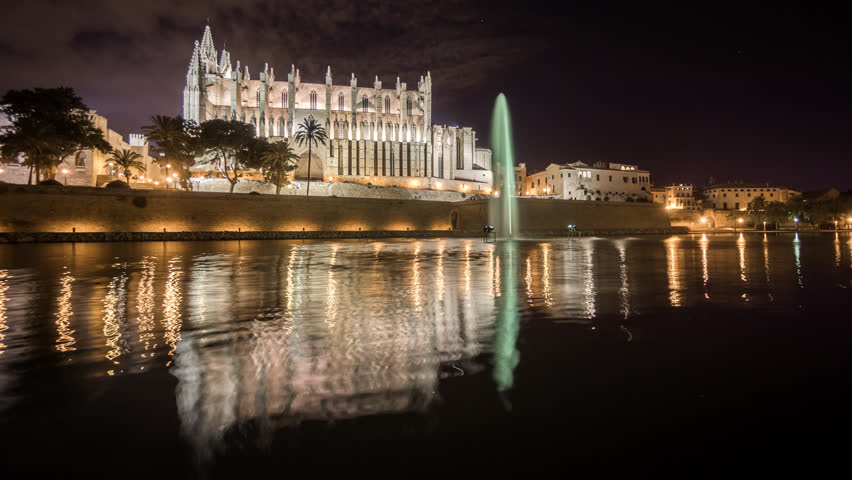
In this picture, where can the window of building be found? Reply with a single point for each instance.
(387, 104)
(633, 179)
(598, 177)
(408, 106)
(364, 103)
(313, 99)
(80, 160)
(569, 174)
(283, 99)
(737, 206)
(340, 102)
(625, 179)
(724, 205)
(737, 195)
(459, 157)
(258, 97)
(610, 178)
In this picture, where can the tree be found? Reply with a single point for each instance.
(276, 162)
(126, 160)
(54, 118)
(312, 132)
(776, 212)
(177, 141)
(797, 209)
(222, 141)
(756, 208)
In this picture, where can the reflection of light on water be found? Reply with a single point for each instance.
(741, 244)
(673, 274)
(498, 291)
(545, 254)
(705, 266)
(624, 289)
(331, 308)
(838, 255)
(797, 255)
(171, 305)
(766, 271)
(416, 290)
(145, 306)
(506, 354)
(115, 314)
(291, 288)
(4, 285)
(589, 279)
(528, 278)
(467, 270)
(65, 342)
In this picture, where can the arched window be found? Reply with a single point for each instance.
(80, 160)
(364, 103)
(340, 102)
(408, 106)
(313, 99)
(258, 97)
(459, 157)
(283, 99)
(387, 104)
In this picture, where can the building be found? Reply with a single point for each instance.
(378, 135)
(736, 196)
(578, 181)
(676, 197)
(91, 168)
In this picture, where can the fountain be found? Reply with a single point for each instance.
(502, 211)
(502, 214)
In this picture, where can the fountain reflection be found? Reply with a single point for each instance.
(506, 354)
(65, 341)
(838, 256)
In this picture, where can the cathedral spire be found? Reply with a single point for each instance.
(208, 51)
(192, 71)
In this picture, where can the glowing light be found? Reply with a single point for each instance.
(65, 170)
(330, 179)
(740, 220)
(174, 175)
(4, 285)
(497, 194)
(65, 342)
(703, 220)
(169, 179)
(168, 165)
(438, 185)
(156, 183)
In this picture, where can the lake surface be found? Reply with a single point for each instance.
(405, 357)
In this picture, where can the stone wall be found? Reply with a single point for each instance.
(27, 209)
(62, 209)
(552, 216)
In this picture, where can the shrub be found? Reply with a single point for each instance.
(629, 199)
(50, 182)
(117, 184)
(254, 193)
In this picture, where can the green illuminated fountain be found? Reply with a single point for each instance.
(502, 215)
(502, 211)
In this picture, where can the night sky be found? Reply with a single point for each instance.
(758, 94)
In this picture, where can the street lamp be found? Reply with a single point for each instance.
(797, 223)
(740, 221)
(65, 172)
(764, 225)
(835, 225)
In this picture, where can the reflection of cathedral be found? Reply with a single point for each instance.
(376, 134)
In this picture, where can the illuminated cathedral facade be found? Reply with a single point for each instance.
(377, 135)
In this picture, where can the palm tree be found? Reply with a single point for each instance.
(175, 139)
(314, 134)
(276, 162)
(127, 160)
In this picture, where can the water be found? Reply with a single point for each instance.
(503, 210)
(417, 356)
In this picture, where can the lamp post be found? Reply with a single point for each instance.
(703, 222)
(835, 225)
(65, 173)
(764, 225)
(168, 178)
(740, 221)
(796, 220)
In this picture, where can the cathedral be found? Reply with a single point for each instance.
(382, 136)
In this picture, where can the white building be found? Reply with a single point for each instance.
(90, 167)
(616, 182)
(733, 196)
(676, 197)
(377, 135)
